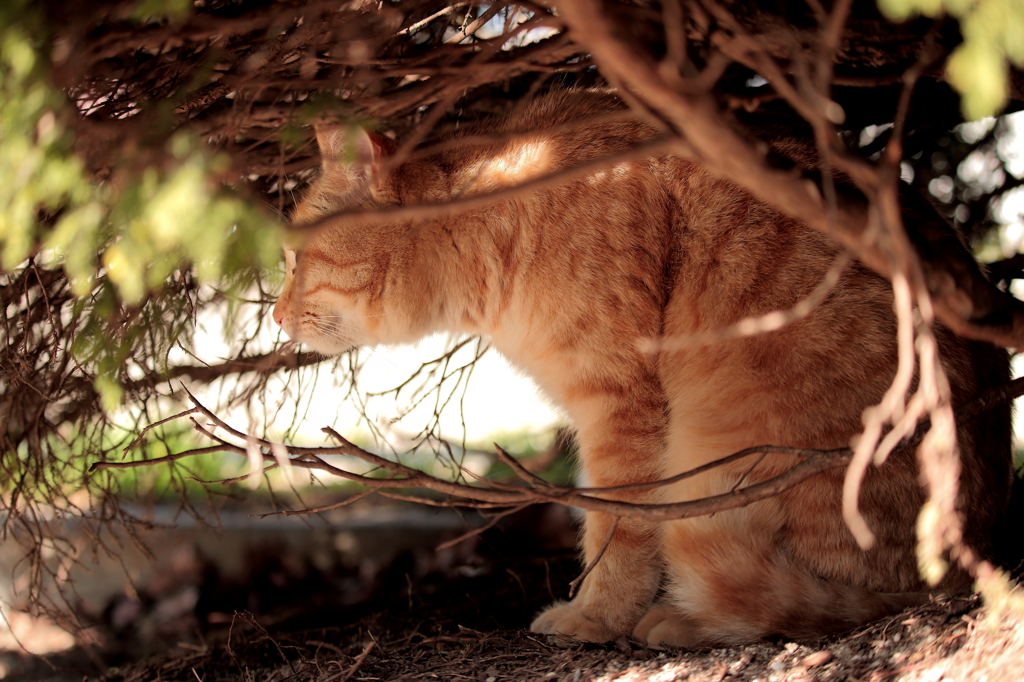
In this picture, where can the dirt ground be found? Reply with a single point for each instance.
(460, 614)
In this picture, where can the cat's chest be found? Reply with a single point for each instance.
(555, 352)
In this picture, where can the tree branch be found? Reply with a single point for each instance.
(965, 301)
(403, 477)
(266, 363)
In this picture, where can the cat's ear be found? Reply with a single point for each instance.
(351, 148)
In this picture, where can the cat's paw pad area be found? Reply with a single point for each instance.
(663, 627)
(565, 620)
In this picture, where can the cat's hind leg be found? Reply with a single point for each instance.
(726, 587)
(664, 626)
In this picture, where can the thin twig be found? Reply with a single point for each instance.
(355, 666)
(747, 473)
(150, 427)
(751, 326)
(99, 466)
(521, 471)
(487, 526)
(814, 462)
(433, 17)
(476, 25)
(317, 510)
(593, 562)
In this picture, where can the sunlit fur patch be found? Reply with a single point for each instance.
(524, 162)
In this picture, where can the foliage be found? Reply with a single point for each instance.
(993, 32)
(122, 240)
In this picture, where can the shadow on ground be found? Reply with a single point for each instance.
(372, 605)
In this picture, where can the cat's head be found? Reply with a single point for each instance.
(338, 273)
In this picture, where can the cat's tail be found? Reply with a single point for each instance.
(820, 608)
(824, 607)
(729, 592)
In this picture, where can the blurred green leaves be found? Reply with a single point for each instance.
(993, 32)
(158, 211)
(37, 174)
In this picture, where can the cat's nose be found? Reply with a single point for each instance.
(278, 316)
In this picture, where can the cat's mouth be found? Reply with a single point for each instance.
(330, 335)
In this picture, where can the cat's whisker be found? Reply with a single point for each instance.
(351, 317)
(382, 353)
(331, 329)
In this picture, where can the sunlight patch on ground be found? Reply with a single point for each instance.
(22, 632)
(667, 673)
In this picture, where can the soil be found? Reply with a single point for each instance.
(460, 614)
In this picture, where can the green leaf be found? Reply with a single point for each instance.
(110, 393)
(980, 73)
(993, 32)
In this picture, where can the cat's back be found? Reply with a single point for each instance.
(539, 137)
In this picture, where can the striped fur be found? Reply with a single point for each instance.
(566, 280)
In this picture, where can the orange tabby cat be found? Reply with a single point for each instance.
(565, 281)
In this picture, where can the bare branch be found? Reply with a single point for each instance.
(487, 526)
(150, 427)
(521, 471)
(477, 24)
(814, 462)
(964, 300)
(265, 363)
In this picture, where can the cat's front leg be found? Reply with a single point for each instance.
(614, 398)
(621, 440)
(618, 590)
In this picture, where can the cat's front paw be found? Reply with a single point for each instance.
(567, 620)
(664, 627)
